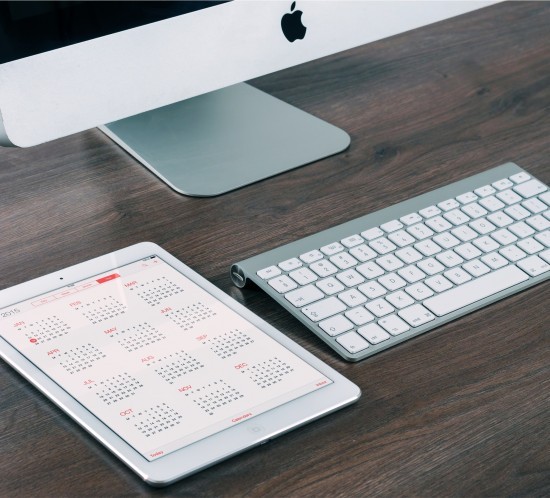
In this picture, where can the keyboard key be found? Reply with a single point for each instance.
(534, 265)
(303, 276)
(336, 325)
(267, 273)
(448, 205)
(352, 297)
(512, 253)
(343, 260)
(494, 260)
(449, 259)
(530, 188)
(486, 244)
(411, 274)
(352, 342)
(500, 219)
(311, 256)
(419, 291)
(504, 236)
(427, 248)
(330, 286)
(467, 251)
(420, 231)
(373, 333)
(394, 325)
(545, 255)
(538, 222)
(520, 177)
(359, 315)
(351, 278)
(391, 226)
(474, 210)
(509, 197)
(475, 290)
(464, 233)
(545, 198)
(446, 240)
(372, 290)
(410, 219)
(401, 238)
(517, 212)
(416, 315)
(482, 226)
(290, 264)
(438, 224)
(484, 191)
(438, 283)
(370, 270)
(380, 307)
(466, 197)
(382, 245)
(503, 184)
(323, 309)
(534, 205)
(476, 268)
(323, 268)
(363, 253)
(521, 229)
(429, 212)
(352, 241)
(331, 249)
(304, 295)
(456, 217)
(457, 276)
(372, 234)
(409, 255)
(399, 299)
(392, 281)
(430, 266)
(282, 284)
(544, 238)
(530, 245)
(389, 262)
(492, 203)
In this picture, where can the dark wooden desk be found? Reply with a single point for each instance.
(462, 410)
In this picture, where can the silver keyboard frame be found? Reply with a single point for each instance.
(244, 272)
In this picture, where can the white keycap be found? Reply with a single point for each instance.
(521, 229)
(512, 253)
(408, 255)
(534, 205)
(372, 290)
(419, 291)
(430, 266)
(352, 297)
(370, 270)
(352, 342)
(336, 325)
(486, 244)
(538, 222)
(427, 248)
(416, 315)
(399, 299)
(390, 262)
(323, 268)
(476, 268)
(304, 295)
(484, 191)
(392, 226)
(343, 260)
(411, 274)
(520, 177)
(503, 184)
(500, 219)
(482, 226)
(429, 212)
(410, 219)
(269, 272)
(475, 290)
(290, 264)
(331, 249)
(545, 255)
(504, 236)
(509, 197)
(311, 256)
(359, 315)
(282, 284)
(530, 245)
(464, 233)
(517, 212)
(456, 217)
(393, 324)
(350, 278)
(392, 281)
(401, 238)
(303, 276)
(382, 245)
(352, 241)
(446, 240)
(448, 205)
(438, 283)
(372, 233)
(373, 333)
(467, 251)
(420, 231)
(438, 224)
(544, 238)
(323, 309)
(474, 210)
(457, 276)
(330, 286)
(530, 188)
(492, 203)
(379, 307)
(363, 253)
(466, 197)
(534, 265)
(449, 259)
(494, 260)
(545, 198)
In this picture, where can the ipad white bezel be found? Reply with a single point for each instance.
(205, 452)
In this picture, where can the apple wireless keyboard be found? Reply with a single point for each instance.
(378, 280)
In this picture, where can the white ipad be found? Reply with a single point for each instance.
(159, 365)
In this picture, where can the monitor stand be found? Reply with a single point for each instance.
(223, 140)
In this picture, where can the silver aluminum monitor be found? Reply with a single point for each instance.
(171, 90)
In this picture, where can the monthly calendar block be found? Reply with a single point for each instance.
(156, 290)
(214, 395)
(175, 365)
(189, 316)
(228, 343)
(44, 330)
(116, 388)
(137, 336)
(77, 359)
(101, 309)
(156, 419)
(268, 372)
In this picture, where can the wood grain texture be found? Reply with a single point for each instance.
(462, 410)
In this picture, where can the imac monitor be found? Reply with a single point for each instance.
(165, 80)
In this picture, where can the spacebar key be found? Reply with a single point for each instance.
(476, 290)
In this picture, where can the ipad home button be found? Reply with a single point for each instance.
(256, 429)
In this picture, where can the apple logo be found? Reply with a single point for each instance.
(291, 24)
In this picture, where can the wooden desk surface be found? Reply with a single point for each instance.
(462, 410)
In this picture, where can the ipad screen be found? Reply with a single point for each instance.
(154, 356)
